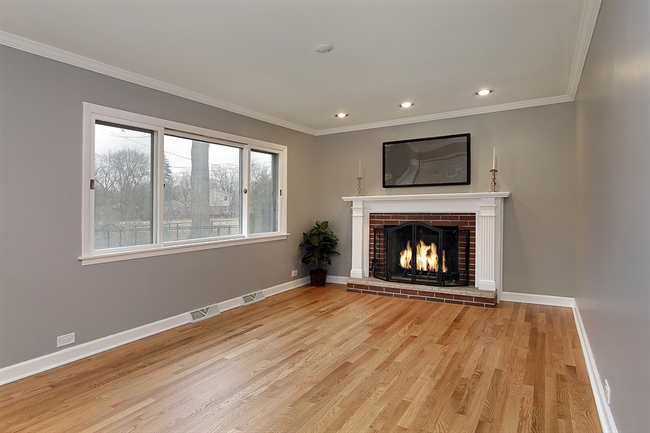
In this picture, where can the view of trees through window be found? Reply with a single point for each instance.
(123, 187)
(202, 188)
(263, 202)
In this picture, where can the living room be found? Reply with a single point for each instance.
(576, 226)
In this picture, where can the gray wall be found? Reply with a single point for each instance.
(612, 206)
(535, 158)
(44, 290)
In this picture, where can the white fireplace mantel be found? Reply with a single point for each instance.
(487, 206)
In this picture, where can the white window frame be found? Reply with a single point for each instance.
(93, 113)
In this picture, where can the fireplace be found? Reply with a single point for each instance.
(486, 253)
(416, 252)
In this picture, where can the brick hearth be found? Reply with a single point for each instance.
(450, 295)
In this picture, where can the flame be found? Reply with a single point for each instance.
(426, 257)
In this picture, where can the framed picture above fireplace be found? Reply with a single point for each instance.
(432, 161)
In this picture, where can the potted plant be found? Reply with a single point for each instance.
(319, 244)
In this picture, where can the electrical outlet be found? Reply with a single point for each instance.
(294, 273)
(608, 392)
(64, 340)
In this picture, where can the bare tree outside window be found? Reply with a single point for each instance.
(123, 187)
(226, 177)
(200, 181)
(263, 199)
(204, 198)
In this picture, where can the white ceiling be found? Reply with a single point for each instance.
(257, 57)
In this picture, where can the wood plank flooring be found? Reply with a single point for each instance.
(326, 360)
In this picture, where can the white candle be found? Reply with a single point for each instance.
(359, 167)
(494, 159)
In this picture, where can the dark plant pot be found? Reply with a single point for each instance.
(318, 277)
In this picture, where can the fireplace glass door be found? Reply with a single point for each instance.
(417, 253)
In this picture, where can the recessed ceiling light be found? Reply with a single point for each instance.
(323, 48)
(341, 115)
(406, 104)
(484, 92)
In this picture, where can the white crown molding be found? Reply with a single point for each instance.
(585, 33)
(449, 115)
(587, 25)
(63, 56)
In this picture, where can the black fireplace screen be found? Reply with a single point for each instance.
(417, 253)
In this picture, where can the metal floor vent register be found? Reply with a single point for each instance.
(204, 313)
(253, 297)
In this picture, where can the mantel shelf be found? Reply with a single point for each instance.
(420, 197)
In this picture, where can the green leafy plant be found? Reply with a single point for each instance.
(319, 244)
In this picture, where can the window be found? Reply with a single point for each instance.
(263, 197)
(155, 187)
(123, 188)
(197, 173)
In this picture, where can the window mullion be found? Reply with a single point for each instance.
(159, 187)
(245, 164)
(88, 193)
(282, 189)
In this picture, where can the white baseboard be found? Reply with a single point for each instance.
(230, 304)
(604, 412)
(527, 298)
(286, 286)
(334, 279)
(30, 367)
(75, 353)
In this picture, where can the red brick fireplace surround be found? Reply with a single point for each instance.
(464, 221)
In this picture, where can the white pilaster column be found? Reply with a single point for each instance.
(488, 244)
(357, 239)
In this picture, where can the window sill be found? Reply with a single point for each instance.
(177, 249)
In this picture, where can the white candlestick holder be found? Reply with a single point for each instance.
(493, 184)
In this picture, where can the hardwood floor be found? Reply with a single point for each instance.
(325, 360)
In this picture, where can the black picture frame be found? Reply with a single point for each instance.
(431, 161)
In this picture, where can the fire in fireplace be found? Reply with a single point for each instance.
(426, 258)
(418, 253)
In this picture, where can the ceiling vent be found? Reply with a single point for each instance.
(204, 313)
(253, 297)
